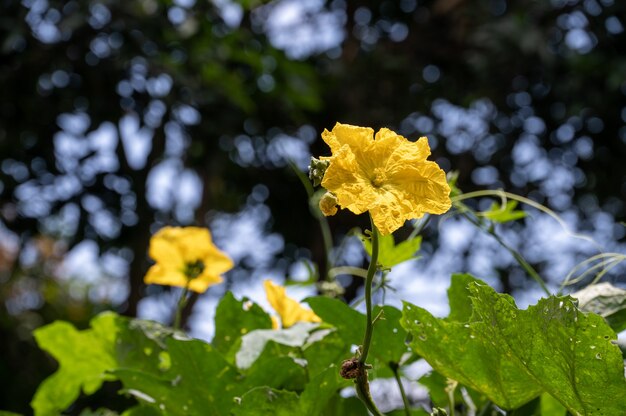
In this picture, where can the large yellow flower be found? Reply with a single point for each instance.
(385, 174)
(288, 309)
(186, 256)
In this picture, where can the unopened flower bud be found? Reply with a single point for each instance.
(317, 169)
(328, 204)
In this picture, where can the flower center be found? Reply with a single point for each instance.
(194, 269)
(378, 178)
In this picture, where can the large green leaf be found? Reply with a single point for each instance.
(235, 318)
(607, 301)
(513, 355)
(198, 381)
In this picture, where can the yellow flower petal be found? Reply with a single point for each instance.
(386, 175)
(159, 275)
(288, 309)
(186, 256)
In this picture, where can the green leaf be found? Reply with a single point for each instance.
(607, 301)
(253, 343)
(277, 372)
(350, 324)
(390, 254)
(500, 214)
(312, 402)
(199, 381)
(513, 355)
(141, 410)
(319, 391)
(323, 348)
(551, 406)
(437, 384)
(266, 401)
(235, 318)
(83, 356)
(349, 406)
(388, 339)
(459, 297)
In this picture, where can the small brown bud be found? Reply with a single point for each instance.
(350, 368)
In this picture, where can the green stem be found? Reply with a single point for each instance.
(407, 406)
(362, 384)
(182, 301)
(371, 271)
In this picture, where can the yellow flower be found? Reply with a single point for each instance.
(289, 310)
(186, 256)
(385, 174)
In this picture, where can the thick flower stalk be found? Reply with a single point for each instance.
(289, 310)
(186, 257)
(385, 174)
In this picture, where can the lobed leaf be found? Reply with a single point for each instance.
(513, 355)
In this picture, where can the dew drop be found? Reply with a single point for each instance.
(395, 330)
(598, 356)
(466, 326)
(472, 336)
(422, 337)
(593, 347)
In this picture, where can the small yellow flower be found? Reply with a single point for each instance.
(385, 174)
(289, 310)
(186, 256)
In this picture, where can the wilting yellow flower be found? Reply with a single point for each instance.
(186, 256)
(385, 174)
(289, 310)
(328, 204)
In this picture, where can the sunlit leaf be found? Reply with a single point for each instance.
(513, 355)
(97, 355)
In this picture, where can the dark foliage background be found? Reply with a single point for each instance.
(118, 117)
